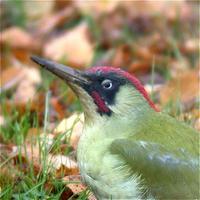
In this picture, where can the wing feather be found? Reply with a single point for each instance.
(165, 173)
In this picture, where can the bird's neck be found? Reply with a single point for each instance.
(116, 126)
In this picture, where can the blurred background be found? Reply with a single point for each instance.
(157, 41)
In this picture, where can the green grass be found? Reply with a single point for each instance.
(13, 14)
(20, 180)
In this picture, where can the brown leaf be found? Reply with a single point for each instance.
(50, 188)
(75, 41)
(74, 187)
(59, 108)
(185, 87)
(60, 4)
(74, 122)
(35, 105)
(32, 135)
(72, 178)
(10, 77)
(65, 171)
(31, 152)
(7, 177)
(139, 67)
(27, 86)
(95, 8)
(144, 53)
(123, 56)
(47, 24)
(7, 150)
(66, 194)
(61, 149)
(15, 37)
(23, 158)
(21, 162)
(24, 92)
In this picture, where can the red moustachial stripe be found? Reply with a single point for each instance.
(131, 78)
(100, 103)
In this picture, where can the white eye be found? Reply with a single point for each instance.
(107, 84)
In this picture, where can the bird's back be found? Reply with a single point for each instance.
(168, 157)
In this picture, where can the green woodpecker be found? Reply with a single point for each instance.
(129, 149)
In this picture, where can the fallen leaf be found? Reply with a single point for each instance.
(59, 108)
(66, 194)
(32, 75)
(36, 105)
(26, 89)
(72, 178)
(24, 92)
(185, 87)
(7, 150)
(32, 135)
(73, 182)
(140, 67)
(8, 178)
(73, 123)
(49, 23)
(64, 171)
(144, 53)
(60, 4)
(15, 37)
(58, 161)
(21, 158)
(95, 8)
(76, 188)
(31, 152)
(76, 41)
(10, 77)
(123, 56)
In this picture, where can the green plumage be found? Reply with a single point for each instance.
(141, 154)
(127, 149)
(166, 156)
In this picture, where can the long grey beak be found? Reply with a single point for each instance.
(66, 73)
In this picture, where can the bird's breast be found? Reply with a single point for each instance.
(101, 170)
(92, 150)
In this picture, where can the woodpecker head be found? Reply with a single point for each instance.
(103, 91)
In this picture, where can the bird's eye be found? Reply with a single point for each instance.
(107, 84)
